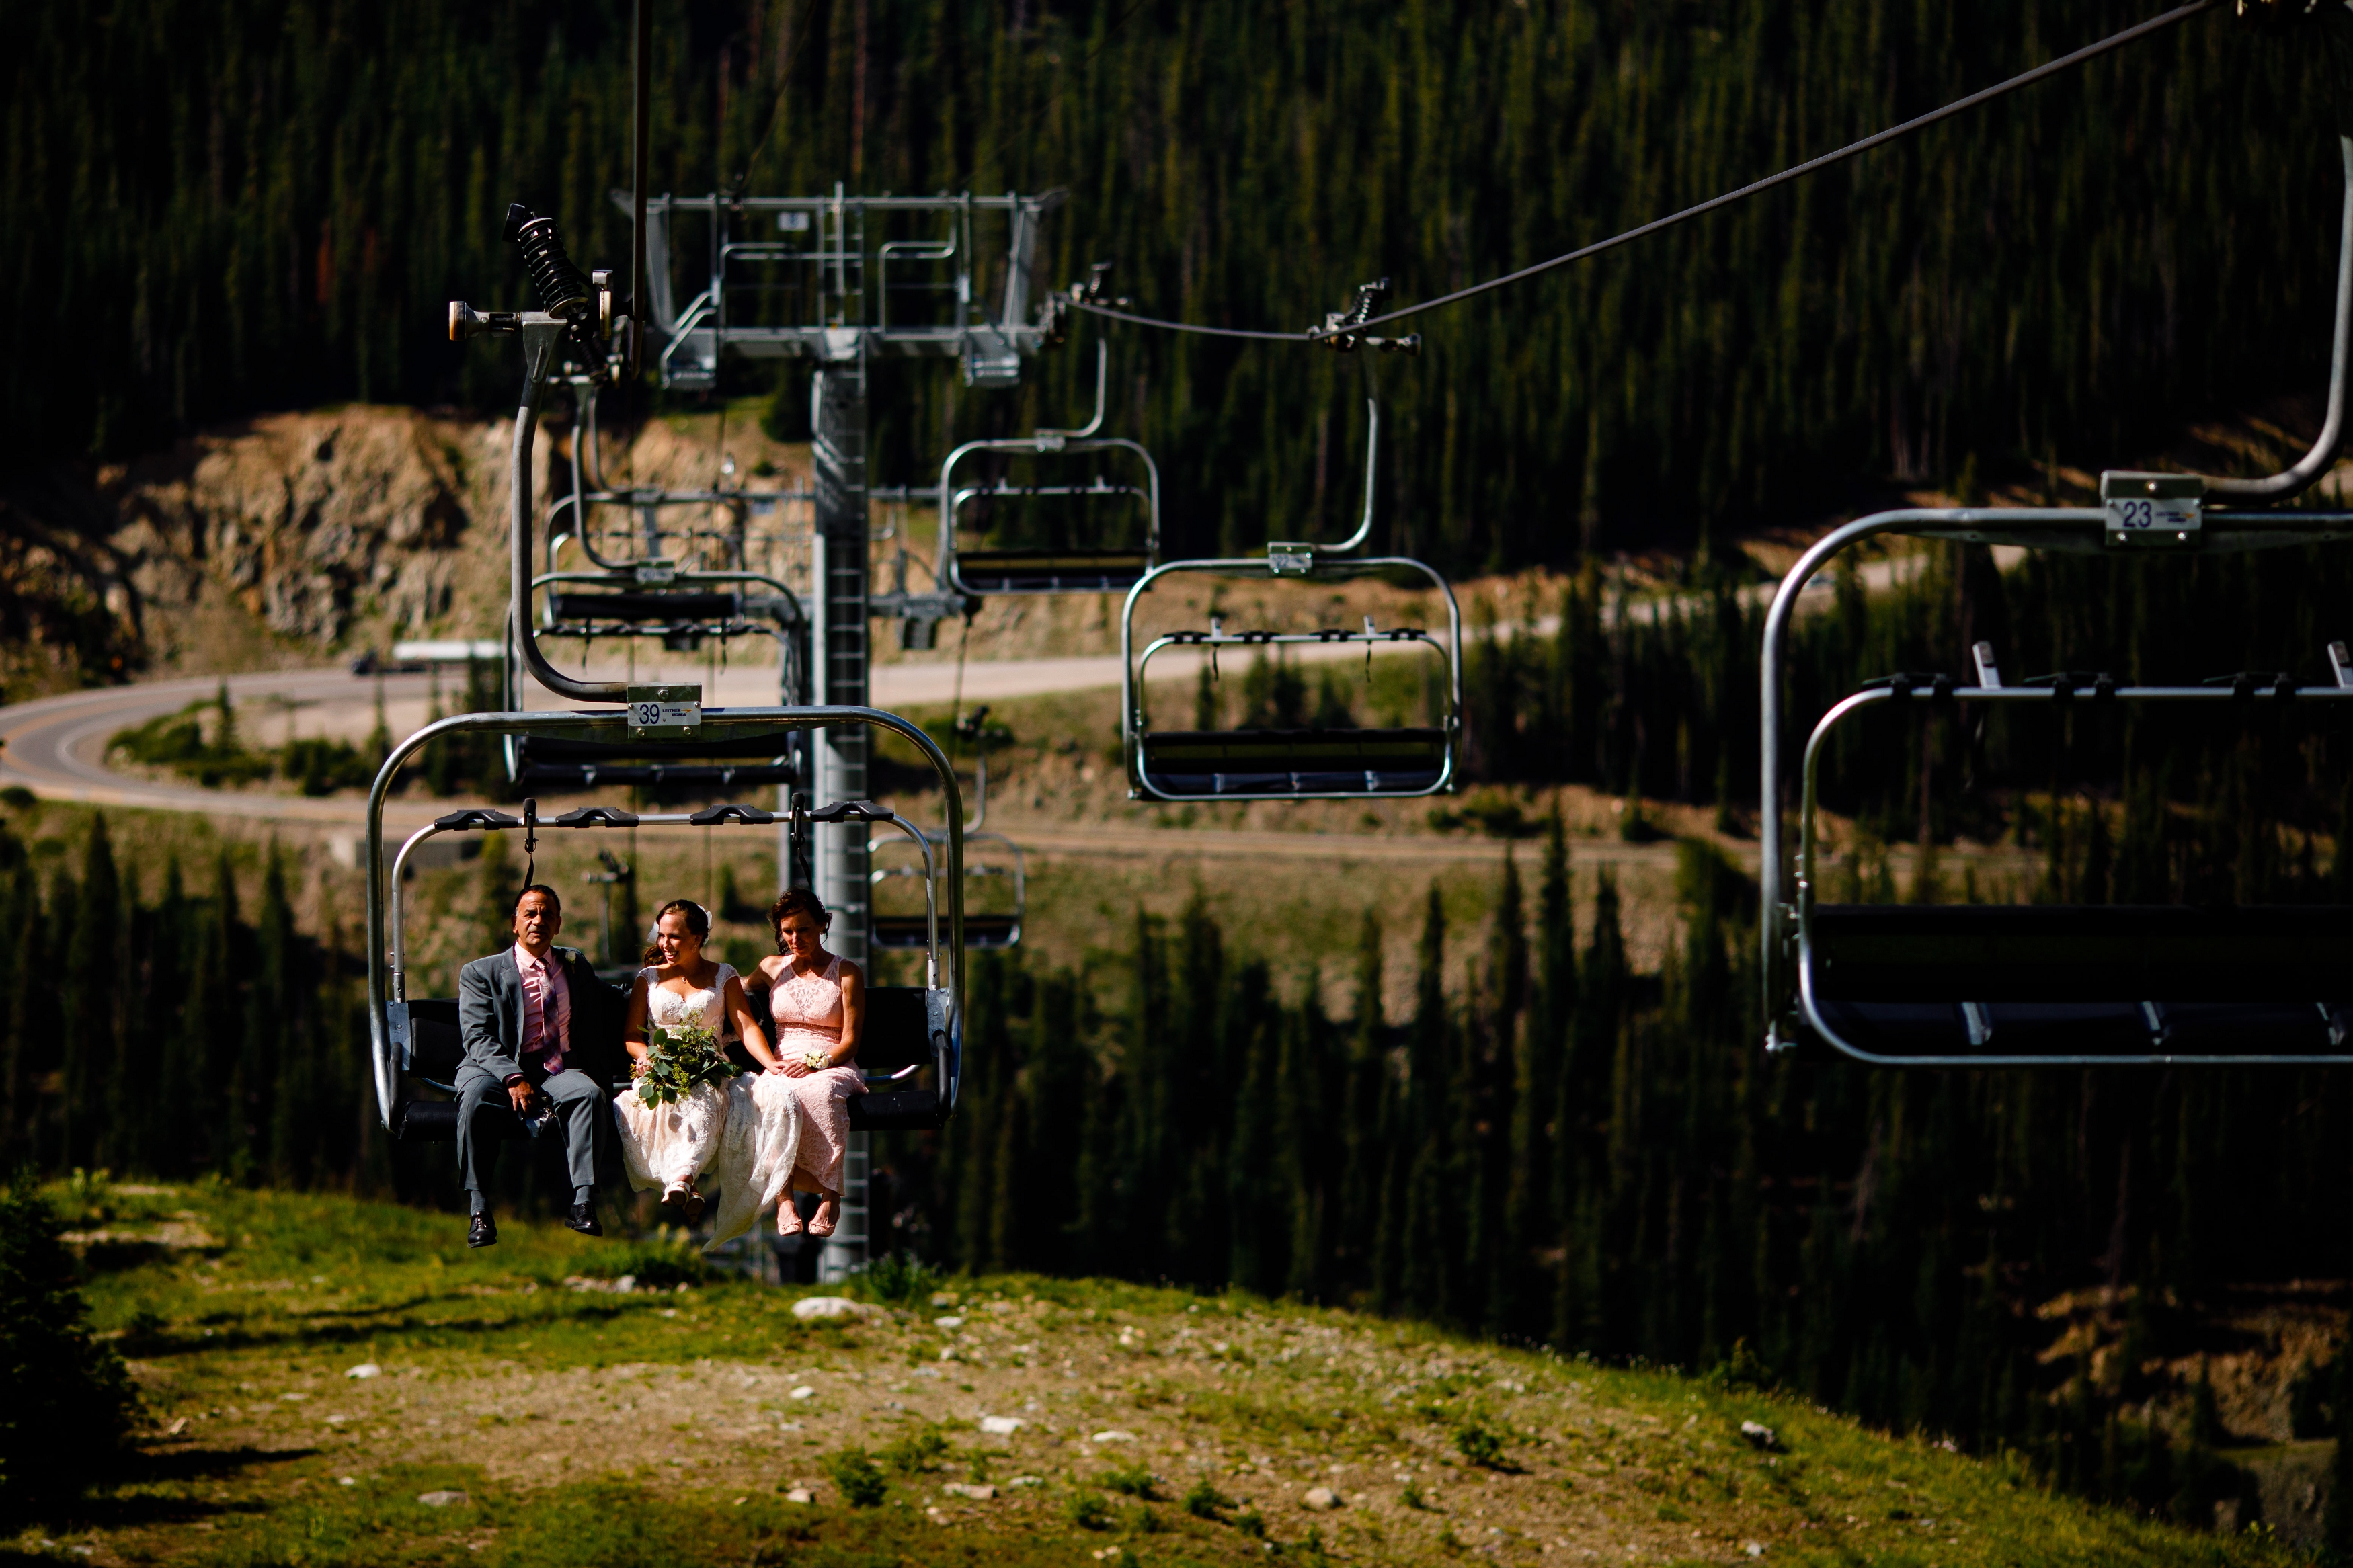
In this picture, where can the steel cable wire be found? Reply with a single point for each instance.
(1879, 139)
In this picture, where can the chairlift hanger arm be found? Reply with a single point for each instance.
(797, 616)
(2315, 463)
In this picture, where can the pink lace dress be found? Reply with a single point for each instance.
(807, 1009)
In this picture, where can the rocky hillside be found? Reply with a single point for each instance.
(290, 538)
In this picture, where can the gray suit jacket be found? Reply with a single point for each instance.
(489, 1015)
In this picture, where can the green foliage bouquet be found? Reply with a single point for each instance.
(679, 1057)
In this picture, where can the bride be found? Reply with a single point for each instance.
(746, 1135)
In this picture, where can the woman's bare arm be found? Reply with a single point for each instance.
(747, 1023)
(853, 1014)
(633, 1029)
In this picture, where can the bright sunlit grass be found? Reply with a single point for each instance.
(585, 1426)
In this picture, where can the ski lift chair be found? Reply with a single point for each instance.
(912, 1050)
(982, 573)
(2056, 986)
(984, 931)
(568, 514)
(1293, 765)
(683, 615)
(910, 1031)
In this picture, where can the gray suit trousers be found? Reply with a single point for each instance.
(580, 1107)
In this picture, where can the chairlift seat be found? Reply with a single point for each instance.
(2083, 980)
(1299, 761)
(906, 1026)
(2049, 952)
(899, 1035)
(986, 573)
(701, 763)
(643, 608)
(911, 933)
(427, 1045)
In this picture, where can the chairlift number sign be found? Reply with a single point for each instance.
(2130, 516)
(671, 709)
(2151, 509)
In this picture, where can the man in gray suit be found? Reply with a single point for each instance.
(532, 1020)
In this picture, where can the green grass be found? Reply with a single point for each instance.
(588, 1428)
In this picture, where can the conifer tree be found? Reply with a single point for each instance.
(92, 989)
(274, 1061)
(20, 927)
(46, 1021)
(1309, 1148)
(1365, 1119)
(170, 1071)
(220, 1118)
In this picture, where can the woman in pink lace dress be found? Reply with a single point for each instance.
(818, 1002)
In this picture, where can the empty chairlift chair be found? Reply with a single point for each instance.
(1066, 566)
(1266, 764)
(2057, 985)
(2046, 984)
(985, 930)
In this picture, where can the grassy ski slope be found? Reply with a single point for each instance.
(577, 1424)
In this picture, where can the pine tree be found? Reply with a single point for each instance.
(220, 1123)
(20, 935)
(1305, 1136)
(1515, 1301)
(1365, 1120)
(272, 1056)
(92, 1042)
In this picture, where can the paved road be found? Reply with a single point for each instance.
(56, 746)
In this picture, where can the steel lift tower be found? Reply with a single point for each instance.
(841, 280)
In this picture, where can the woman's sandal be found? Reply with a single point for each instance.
(788, 1216)
(816, 1227)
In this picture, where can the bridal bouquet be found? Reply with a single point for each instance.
(679, 1057)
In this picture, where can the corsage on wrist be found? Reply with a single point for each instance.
(816, 1059)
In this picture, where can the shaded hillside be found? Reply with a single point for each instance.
(205, 210)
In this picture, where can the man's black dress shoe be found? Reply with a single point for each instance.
(481, 1232)
(583, 1218)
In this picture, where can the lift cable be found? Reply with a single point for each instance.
(2025, 79)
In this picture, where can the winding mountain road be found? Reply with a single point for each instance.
(56, 747)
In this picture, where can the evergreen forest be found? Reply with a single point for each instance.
(210, 209)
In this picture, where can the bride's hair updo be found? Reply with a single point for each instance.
(796, 900)
(697, 921)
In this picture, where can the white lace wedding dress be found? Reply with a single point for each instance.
(745, 1136)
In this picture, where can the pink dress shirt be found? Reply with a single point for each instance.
(546, 1010)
